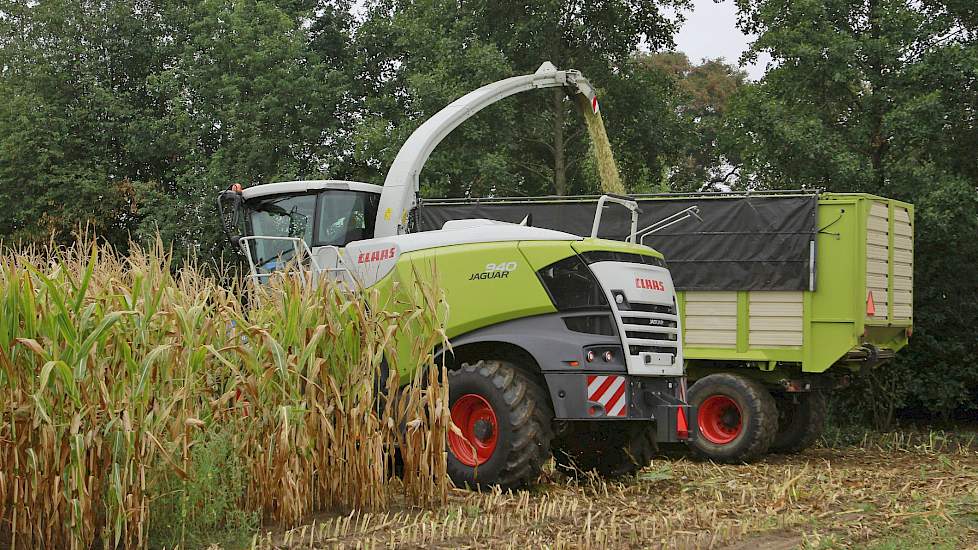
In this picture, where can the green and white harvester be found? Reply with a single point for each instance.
(561, 345)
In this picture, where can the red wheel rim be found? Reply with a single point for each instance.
(719, 419)
(476, 420)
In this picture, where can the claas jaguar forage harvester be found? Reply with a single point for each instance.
(560, 345)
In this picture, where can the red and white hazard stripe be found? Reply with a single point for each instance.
(610, 392)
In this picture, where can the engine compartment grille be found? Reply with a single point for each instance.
(649, 328)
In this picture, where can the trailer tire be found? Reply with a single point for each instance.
(737, 419)
(801, 420)
(612, 448)
(504, 418)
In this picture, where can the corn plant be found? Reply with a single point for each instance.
(112, 370)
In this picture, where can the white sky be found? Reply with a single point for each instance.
(710, 31)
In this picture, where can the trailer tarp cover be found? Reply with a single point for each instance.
(743, 243)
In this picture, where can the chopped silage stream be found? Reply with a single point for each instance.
(824, 497)
(604, 157)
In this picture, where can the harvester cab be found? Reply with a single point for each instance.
(309, 222)
(561, 344)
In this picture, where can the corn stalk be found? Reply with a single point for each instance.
(113, 368)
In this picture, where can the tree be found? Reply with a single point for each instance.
(71, 76)
(880, 96)
(702, 93)
(131, 115)
(247, 100)
(533, 143)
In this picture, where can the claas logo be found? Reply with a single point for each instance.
(650, 284)
(376, 255)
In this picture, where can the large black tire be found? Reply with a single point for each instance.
(801, 420)
(610, 448)
(523, 417)
(736, 419)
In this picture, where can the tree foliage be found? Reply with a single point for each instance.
(422, 55)
(703, 94)
(130, 116)
(880, 96)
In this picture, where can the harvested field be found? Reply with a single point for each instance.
(898, 492)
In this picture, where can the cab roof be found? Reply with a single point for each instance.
(305, 186)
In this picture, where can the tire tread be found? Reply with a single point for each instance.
(530, 417)
(762, 407)
(799, 438)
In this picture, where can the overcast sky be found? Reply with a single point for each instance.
(711, 31)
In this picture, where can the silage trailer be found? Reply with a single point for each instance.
(782, 295)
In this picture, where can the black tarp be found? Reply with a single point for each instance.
(743, 242)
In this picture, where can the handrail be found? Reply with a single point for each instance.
(299, 246)
(682, 215)
(632, 207)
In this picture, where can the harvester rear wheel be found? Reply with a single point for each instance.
(737, 418)
(504, 426)
(612, 448)
(801, 420)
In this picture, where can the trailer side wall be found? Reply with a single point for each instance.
(864, 247)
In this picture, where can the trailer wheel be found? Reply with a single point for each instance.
(737, 418)
(801, 420)
(504, 418)
(612, 448)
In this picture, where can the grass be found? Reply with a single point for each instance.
(203, 508)
(126, 386)
(885, 494)
(903, 440)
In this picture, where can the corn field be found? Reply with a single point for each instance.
(116, 371)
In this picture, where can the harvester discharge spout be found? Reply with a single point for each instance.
(401, 188)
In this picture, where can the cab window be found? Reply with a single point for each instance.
(345, 216)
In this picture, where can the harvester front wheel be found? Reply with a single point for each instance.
(737, 418)
(801, 420)
(612, 448)
(503, 420)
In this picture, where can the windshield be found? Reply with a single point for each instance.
(282, 216)
(332, 217)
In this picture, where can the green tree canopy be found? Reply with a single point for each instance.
(130, 115)
(880, 96)
(422, 55)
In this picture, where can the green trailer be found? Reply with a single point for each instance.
(758, 353)
(781, 300)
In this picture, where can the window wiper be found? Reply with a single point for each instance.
(282, 256)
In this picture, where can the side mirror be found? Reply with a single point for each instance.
(229, 209)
